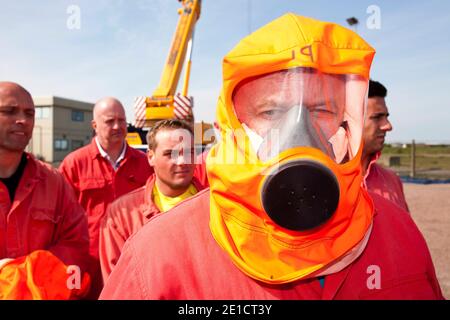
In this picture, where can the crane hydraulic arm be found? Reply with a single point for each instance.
(161, 104)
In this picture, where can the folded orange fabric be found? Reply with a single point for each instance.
(41, 276)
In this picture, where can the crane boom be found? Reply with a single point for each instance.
(160, 104)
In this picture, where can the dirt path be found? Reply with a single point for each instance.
(430, 209)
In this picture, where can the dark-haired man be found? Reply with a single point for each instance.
(379, 180)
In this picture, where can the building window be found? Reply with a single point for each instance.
(77, 144)
(77, 116)
(42, 113)
(61, 144)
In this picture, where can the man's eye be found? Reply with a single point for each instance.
(323, 112)
(272, 114)
(378, 117)
(322, 109)
(7, 110)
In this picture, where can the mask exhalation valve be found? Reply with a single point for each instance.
(300, 195)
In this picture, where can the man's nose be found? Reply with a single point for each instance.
(387, 126)
(23, 119)
(116, 125)
(181, 159)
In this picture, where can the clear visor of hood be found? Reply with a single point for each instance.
(302, 107)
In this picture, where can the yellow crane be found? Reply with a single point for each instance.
(161, 104)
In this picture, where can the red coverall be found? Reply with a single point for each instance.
(174, 256)
(96, 185)
(385, 183)
(44, 215)
(123, 218)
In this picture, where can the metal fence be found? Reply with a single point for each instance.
(419, 160)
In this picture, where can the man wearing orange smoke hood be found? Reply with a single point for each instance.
(286, 216)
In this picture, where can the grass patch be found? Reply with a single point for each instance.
(432, 162)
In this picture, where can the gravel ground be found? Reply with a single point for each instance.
(430, 209)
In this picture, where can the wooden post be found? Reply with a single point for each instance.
(412, 174)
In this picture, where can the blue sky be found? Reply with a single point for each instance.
(121, 47)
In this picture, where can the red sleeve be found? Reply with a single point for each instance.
(432, 278)
(71, 238)
(68, 169)
(402, 193)
(111, 243)
(125, 283)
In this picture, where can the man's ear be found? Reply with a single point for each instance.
(94, 125)
(151, 157)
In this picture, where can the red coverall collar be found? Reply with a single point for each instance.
(94, 152)
(372, 161)
(374, 158)
(32, 175)
(149, 208)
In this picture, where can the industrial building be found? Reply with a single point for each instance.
(61, 126)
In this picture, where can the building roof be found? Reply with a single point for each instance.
(43, 101)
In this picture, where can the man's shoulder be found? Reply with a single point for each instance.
(387, 208)
(133, 199)
(81, 154)
(44, 171)
(125, 210)
(136, 154)
(48, 178)
(187, 218)
(396, 234)
(137, 162)
(393, 221)
(189, 208)
(386, 172)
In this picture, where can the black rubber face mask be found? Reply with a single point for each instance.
(303, 194)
